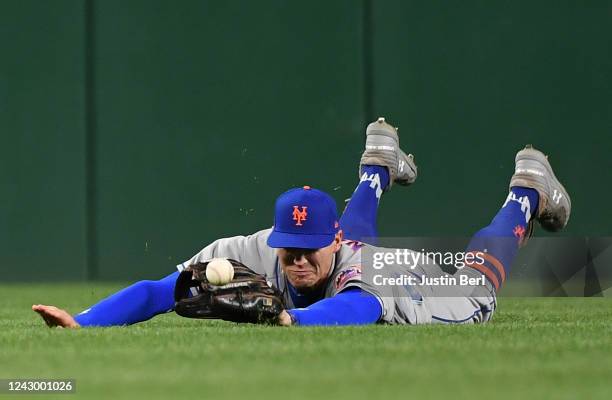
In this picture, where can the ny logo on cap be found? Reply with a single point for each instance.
(299, 215)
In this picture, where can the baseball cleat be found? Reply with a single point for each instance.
(382, 148)
(533, 171)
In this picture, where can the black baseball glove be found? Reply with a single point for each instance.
(247, 298)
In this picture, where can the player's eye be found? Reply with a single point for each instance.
(292, 254)
(287, 258)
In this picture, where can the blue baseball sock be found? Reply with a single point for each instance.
(359, 218)
(502, 237)
(139, 302)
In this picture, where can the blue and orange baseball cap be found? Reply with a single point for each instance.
(304, 218)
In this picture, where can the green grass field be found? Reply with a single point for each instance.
(546, 348)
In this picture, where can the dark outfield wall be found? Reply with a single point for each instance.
(42, 179)
(134, 133)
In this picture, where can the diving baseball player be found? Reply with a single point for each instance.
(320, 267)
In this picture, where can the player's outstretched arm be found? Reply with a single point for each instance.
(139, 302)
(55, 317)
(352, 306)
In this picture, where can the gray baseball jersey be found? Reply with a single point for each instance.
(406, 303)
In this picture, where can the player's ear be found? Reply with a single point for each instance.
(338, 240)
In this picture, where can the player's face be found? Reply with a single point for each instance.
(307, 269)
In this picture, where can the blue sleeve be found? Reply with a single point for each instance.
(139, 302)
(352, 306)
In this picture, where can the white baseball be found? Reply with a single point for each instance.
(219, 271)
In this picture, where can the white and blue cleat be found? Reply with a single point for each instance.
(532, 170)
(382, 149)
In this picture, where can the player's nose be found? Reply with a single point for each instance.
(300, 259)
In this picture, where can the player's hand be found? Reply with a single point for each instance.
(54, 316)
(284, 319)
